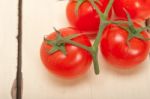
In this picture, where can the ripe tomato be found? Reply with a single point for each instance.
(75, 63)
(138, 9)
(116, 51)
(86, 18)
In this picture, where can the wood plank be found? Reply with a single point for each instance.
(8, 46)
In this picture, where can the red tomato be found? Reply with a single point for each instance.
(87, 18)
(75, 63)
(116, 51)
(138, 9)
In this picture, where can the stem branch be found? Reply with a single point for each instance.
(98, 38)
(77, 44)
(106, 13)
(97, 9)
(104, 23)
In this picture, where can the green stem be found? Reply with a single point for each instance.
(97, 9)
(98, 38)
(117, 22)
(103, 17)
(77, 44)
(104, 23)
(95, 63)
(106, 13)
(95, 49)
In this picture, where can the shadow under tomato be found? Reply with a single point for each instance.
(69, 81)
(126, 72)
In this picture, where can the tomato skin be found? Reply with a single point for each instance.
(116, 51)
(138, 9)
(77, 61)
(87, 18)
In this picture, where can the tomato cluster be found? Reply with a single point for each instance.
(123, 47)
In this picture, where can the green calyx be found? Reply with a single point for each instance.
(59, 43)
(133, 31)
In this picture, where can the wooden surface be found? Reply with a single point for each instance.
(39, 18)
(8, 50)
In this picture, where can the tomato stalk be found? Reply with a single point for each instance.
(94, 49)
(104, 23)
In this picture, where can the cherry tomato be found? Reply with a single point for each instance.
(138, 9)
(115, 49)
(86, 18)
(74, 64)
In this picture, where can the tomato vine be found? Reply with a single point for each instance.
(93, 50)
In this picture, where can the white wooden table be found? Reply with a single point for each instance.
(39, 16)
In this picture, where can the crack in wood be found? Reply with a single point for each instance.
(18, 84)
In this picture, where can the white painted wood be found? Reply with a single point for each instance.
(39, 18)
(8, 44)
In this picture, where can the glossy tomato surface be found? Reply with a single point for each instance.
(138, 9)
(86, 18)
(74, 64)
(116, 51)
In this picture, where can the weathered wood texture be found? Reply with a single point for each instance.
(39, 17)
(8, 46)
